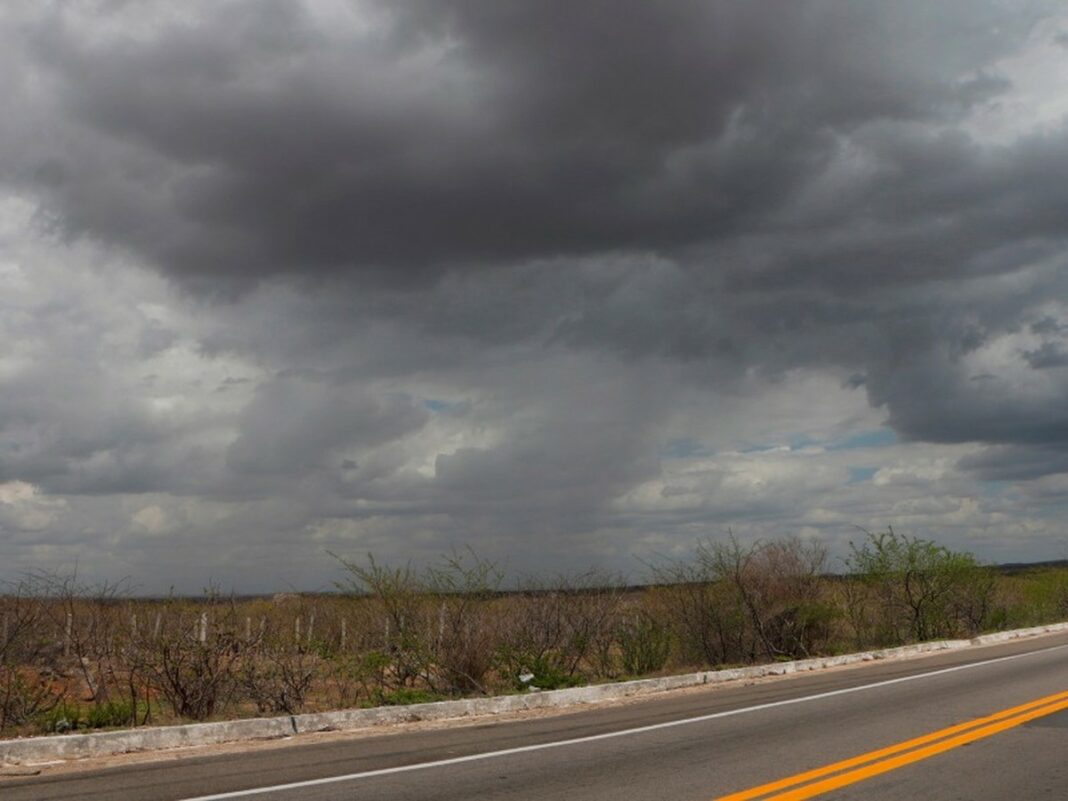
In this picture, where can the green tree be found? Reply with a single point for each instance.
(924, 590)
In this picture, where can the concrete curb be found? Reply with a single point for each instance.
(82, 746)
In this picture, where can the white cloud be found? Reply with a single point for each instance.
(151, 518)
(24, 508)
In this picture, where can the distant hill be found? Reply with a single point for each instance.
(1026, 567)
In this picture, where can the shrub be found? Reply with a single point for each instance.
(923, 590)
(192, 662)
(30, 682)
(405, 696)
(278, 677)
(644, 643)
(552, 628)
(110, 714)
(60, 718)
(402, 611)
(463, 588)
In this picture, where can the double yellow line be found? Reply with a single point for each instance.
(856, 769)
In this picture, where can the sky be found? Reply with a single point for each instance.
(576, 284)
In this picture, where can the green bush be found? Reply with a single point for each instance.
(67, 716)
(110, 714)
(644, 644)
(923, 590)
(63, 717)
(404, 696)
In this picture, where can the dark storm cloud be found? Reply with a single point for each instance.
(562, 217)
(293, 425)
(590, 442)
(1047, 356)
(742, 188)
(257, 141)
(60, 415)
(1016, 463)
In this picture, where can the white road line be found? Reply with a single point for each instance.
(367, 774)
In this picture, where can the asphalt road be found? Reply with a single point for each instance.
(986, 723)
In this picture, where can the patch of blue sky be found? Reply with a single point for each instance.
(794, 444)
(684, 448)
(859, 475)
(875, 438)
(994, 489)
(764, 448)
(435, 405)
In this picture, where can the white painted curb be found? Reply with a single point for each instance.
(81, 746)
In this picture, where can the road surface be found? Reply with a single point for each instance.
(985, 724)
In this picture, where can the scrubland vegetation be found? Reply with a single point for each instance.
(74, 657)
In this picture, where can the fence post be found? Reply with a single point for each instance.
(343, 633)
(203, 627)
(68, 631)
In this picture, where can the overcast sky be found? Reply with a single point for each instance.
(574, 283)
